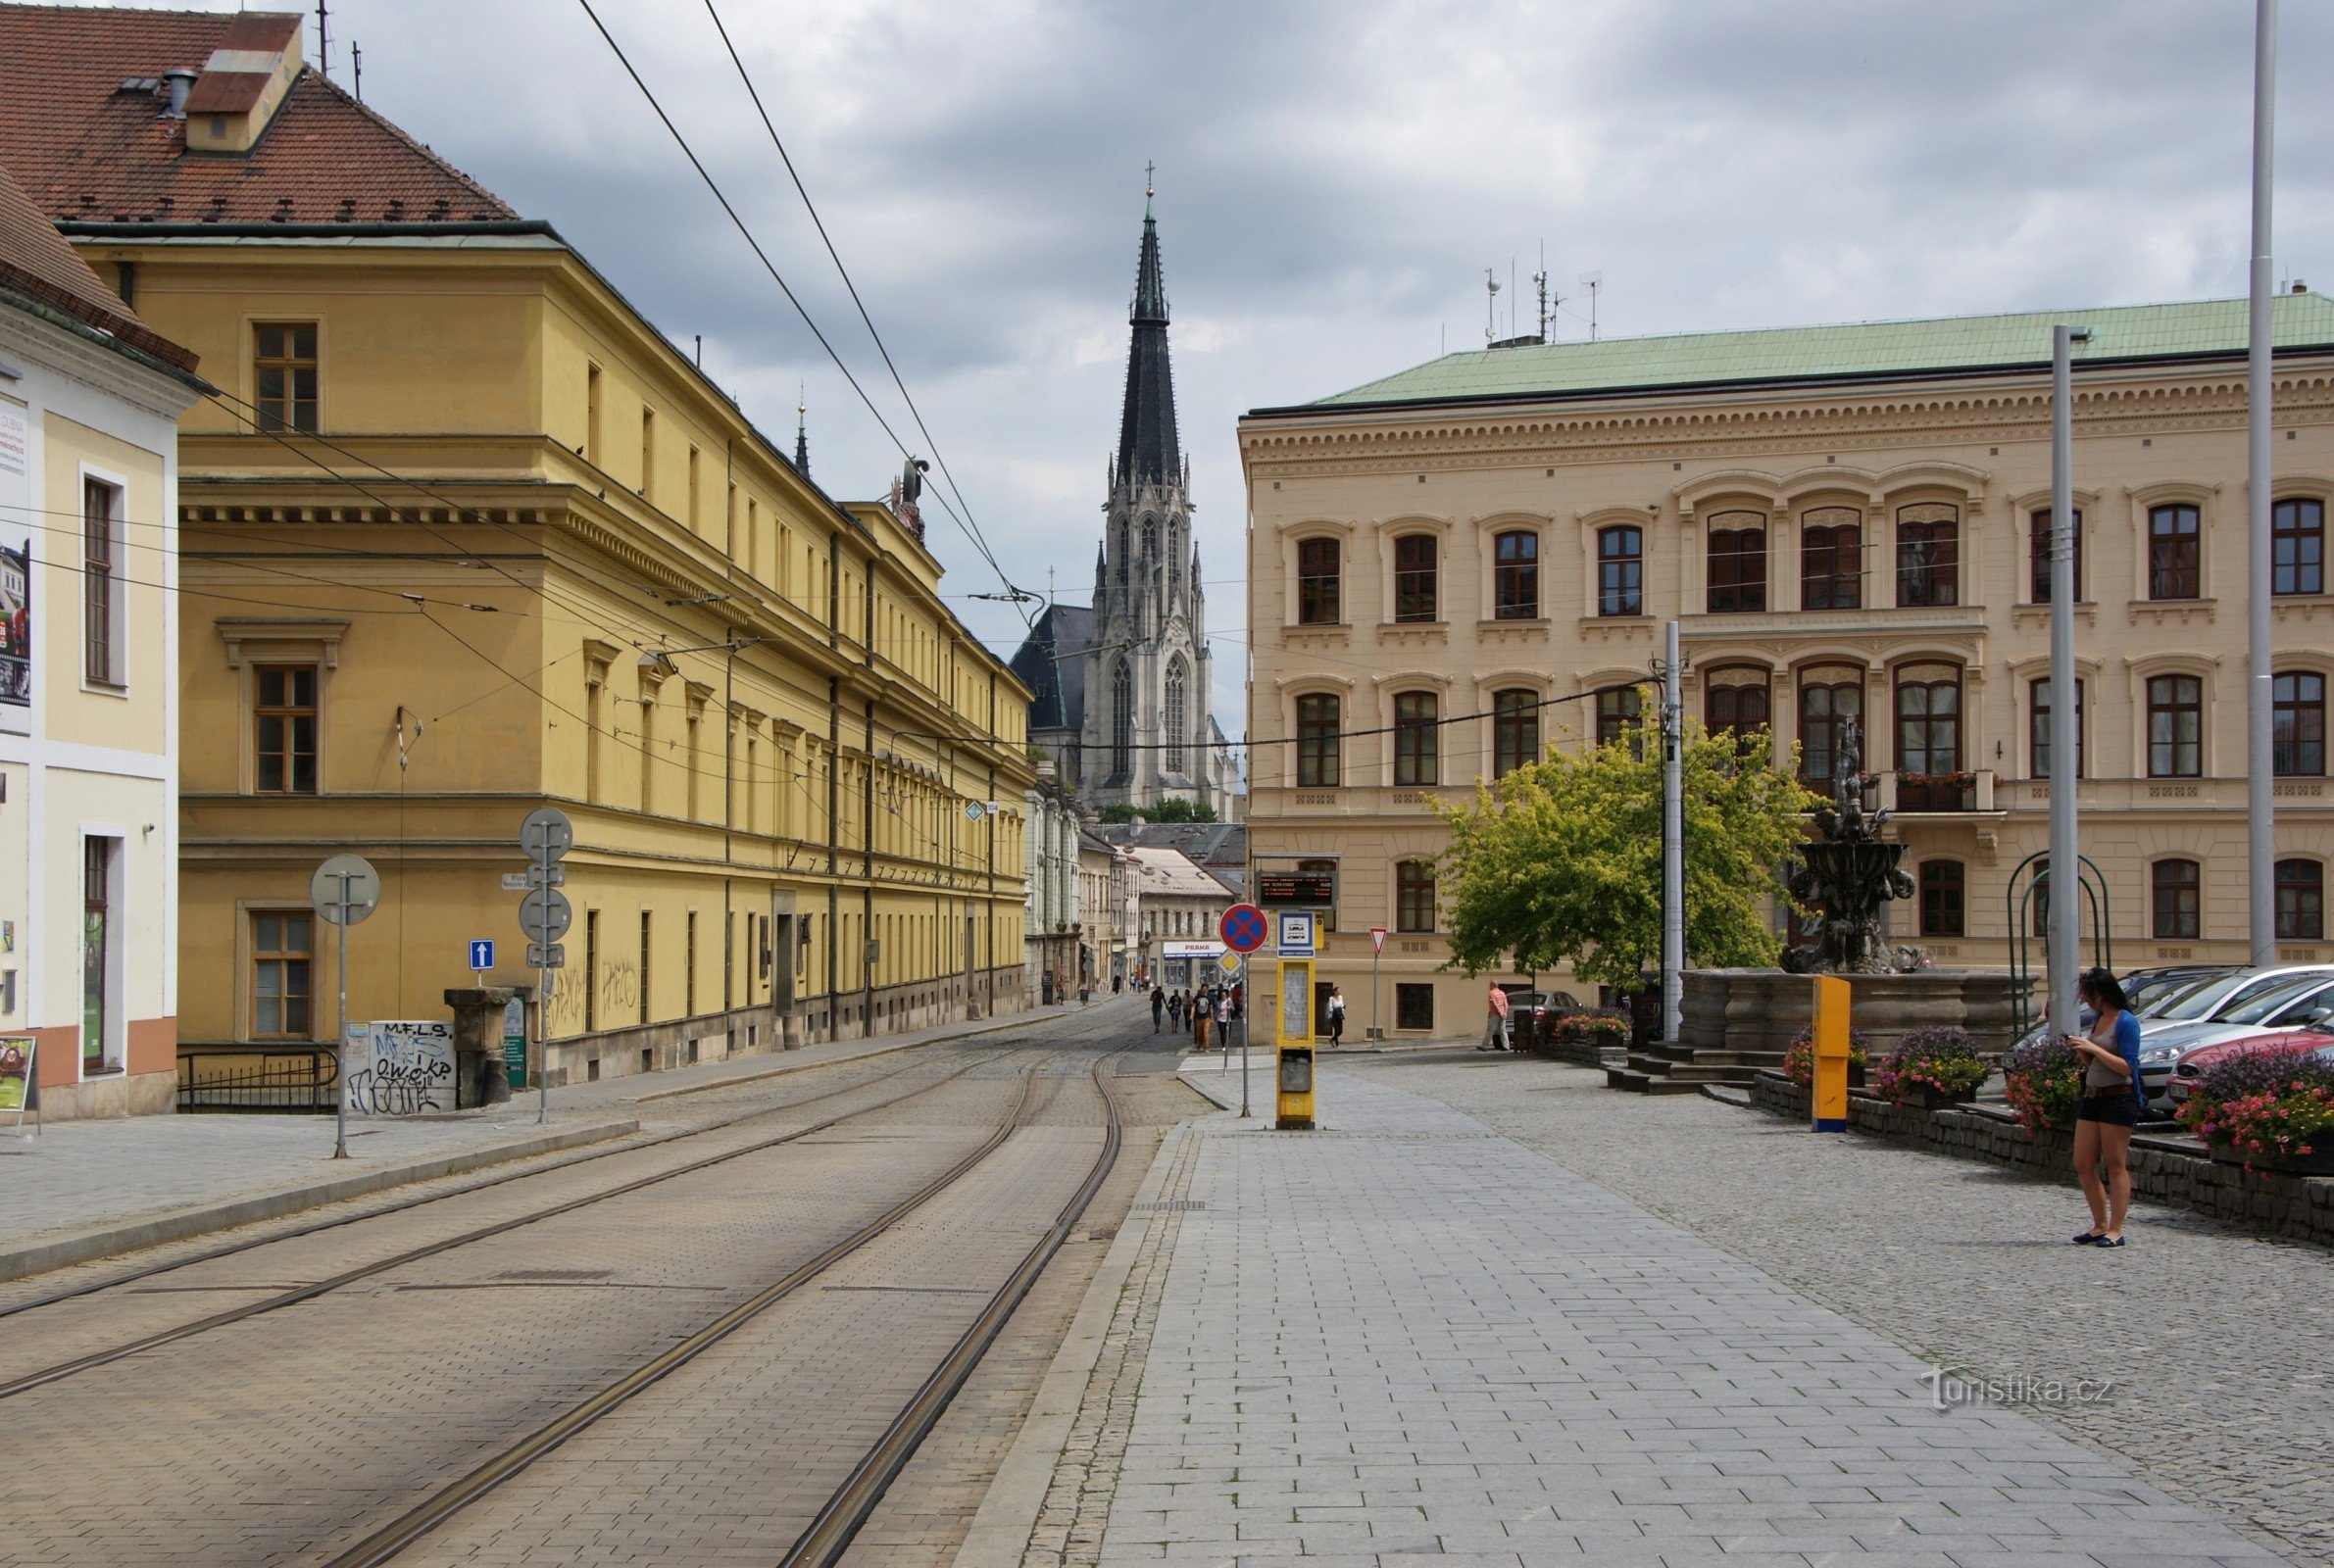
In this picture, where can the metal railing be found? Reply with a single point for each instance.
(280, 1080)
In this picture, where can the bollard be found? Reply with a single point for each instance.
(1827, 1100)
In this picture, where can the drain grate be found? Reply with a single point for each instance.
(1179, 1205)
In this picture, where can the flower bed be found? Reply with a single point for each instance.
(2272, 1108)
(1933, 1065)
(1581, 1037)
(1799, 1057)
(2045, 1079)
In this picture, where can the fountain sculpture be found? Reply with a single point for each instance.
(1847, 874)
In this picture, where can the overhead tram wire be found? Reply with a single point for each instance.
(972, 526)
(779, 278)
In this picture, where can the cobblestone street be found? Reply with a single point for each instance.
(2216, 1339)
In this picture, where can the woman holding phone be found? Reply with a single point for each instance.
(2109, 1106)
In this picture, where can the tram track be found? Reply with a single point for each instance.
(295, 1295)
(835, 1524)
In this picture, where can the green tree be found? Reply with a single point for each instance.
(1562, 858)
(1175, 811)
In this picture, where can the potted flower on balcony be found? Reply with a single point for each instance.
(1799, 1057)
(2271, 1108)
(2045, 1080)
(1938, 1065)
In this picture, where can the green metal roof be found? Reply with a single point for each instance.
(1856, 349)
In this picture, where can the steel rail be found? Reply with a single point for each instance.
(838, 1521)
(293, 1296)
(434, 1510)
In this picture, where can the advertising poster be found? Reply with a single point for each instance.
(400, 1067)
(16, 570)
(16, 1094)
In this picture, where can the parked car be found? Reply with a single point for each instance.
(2190, 1070)
(2217, 998)
(1535, 1005)
(2294, 1004)
(2148, 990)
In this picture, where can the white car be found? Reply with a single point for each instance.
(2294, 1003)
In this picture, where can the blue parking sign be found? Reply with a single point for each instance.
(482, 955)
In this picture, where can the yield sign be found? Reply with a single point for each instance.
(1377, 939)
(1242, 928)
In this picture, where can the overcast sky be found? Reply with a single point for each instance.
(1333, 179)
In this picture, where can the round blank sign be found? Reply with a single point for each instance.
(345, 889)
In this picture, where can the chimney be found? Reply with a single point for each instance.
(177, 83)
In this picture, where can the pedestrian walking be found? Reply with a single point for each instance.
(1158, 1006)
(1336, 1017)
(1494, 1021)
(2109, 1106)
(1199, 1020)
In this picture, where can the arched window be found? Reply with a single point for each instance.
(1831, 559)
(2175, 553)
(1928, 554)
(1618, 708)
(1417, 748)
(1942, 902)
(1120, 553)
(2298, 725)
(2175, 727)
(1737, 558)
(1317, 582)
(1621, 571)
(2298, 547)
(1414, 587)
(1149, 539)
(1122, 720)
(2301, 901)
(1414, 896)
(1735, 701)
(1515, 731)
(2038, 739)
(2176, 888)
(1515, 576)
(1929, 738)
(2038, 556)
(1175, 717)
(1828, 698)
(1317, 719)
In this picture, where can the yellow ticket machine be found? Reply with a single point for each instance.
(1292, 1076)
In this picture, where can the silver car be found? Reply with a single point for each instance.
(2293, 1004)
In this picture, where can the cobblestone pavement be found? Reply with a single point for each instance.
(2216, 1340)
(1406, 1335)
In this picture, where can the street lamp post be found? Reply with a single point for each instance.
(2261, 711)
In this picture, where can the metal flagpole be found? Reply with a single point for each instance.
(2259, 782)
(1674, 841)
(2065, 887)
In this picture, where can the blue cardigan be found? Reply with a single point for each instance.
(2127, 1046)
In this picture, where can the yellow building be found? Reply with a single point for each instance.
(464, 536)
(1457, 565)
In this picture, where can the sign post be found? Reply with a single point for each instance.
(1378, 949)
(344, 890)
(544, 917)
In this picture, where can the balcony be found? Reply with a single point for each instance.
(1935, 794)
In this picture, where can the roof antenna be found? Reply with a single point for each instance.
(1540, 282)
(356, 53)
(1592, 281)
(1490, 305)
(323, 41)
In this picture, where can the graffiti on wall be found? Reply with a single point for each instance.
(400, 1067)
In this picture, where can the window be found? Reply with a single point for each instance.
(1149, 539)
(1928, 554)
(1616, 714)
(645, 918)
(689, 963)
(1828, 699)
(284, 374)
(1317, 742)
(1515, 731)
(97, 959)
(1415, 596)
(1413, 1005)
(2175, 727)
(2298, 547)
(591, 412)
(283, 728)
(1929, 719)
(2174, 555)
(281, 956)
(1942, 902)
(1121, 720)
(101, 585)
(1737, 562)
(1831, 560)
(648, 450)
(1317, 582)
(1621, 571)
(1414, 896)
(2176, 888)
(591, 970)
(1178, 714)
(1515, 576)
(2038, 733)
(1735, 701)
(2038, 556)
(2298, 725)
(1417, 739)
(2301, 901)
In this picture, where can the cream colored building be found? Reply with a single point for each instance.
(1845, 521)
(89, 403)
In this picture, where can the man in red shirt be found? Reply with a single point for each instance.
(1494, 1021)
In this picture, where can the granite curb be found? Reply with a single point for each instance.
(110, 1241)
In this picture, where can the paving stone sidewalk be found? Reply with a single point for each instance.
(1406, 1336)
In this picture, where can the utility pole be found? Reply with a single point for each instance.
(1673, 839)
(2064, 890)
(2261, 819)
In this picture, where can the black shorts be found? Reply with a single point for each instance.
(2115, 1107)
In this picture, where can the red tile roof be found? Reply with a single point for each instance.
(89, 148)
(42, 265)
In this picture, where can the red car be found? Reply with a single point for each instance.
(2190, 1069)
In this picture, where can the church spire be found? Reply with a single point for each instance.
(1148, 451)
(802, 436)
